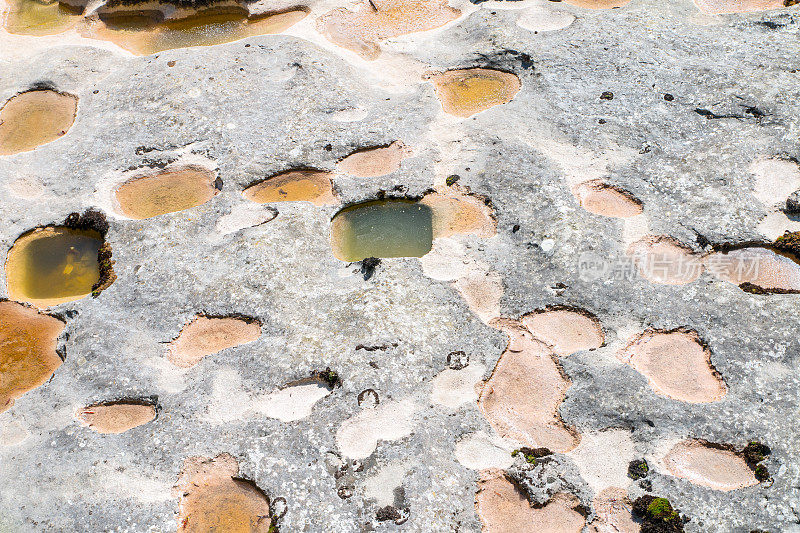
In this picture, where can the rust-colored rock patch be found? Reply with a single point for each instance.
(208, 335)
(34, 118)
(115, 417)
(708, 465)
(362, 31)
(294, 186)
(465, 92)
(212, 498)
(28, 341)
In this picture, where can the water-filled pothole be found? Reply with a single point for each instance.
(144, 32)
(56, 264)
(166, 192)
(28, 341)
(35, 17)
(382, 228)
(35, 117)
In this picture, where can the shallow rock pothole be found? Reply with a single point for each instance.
(34, 118)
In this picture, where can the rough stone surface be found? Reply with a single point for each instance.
(262, 105)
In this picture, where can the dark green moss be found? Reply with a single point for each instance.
(531, 454)
(329, 377)
(761, 473)
(657, 515)
(755, 452)
(451, 180)
(638, 469)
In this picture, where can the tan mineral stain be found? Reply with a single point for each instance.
(676, 364)
(208, 335)
(759, 266)
(294, 186)
(599, 4)
(375, 162)
(115, 417)
(28, 341)
(146, 32)
(719, 7)
(34, 118)
(606, 200)
(613, 512)
(53, 265)
(465, 92)
(455, 212)
(664, 260)
(521, 398)
(166, 192)
(212, 498)
(361, 31)
(35, 17)
(565, 330)
(708, 465)
(502, 508)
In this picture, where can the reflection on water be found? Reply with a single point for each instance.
(144, 32)
(34, 17)
(382, 228)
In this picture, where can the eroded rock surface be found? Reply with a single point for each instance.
(676, 364)
(708, 465)
(213, 498)
(503, 508)
(521, 398)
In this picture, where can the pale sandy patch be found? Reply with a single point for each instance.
(452, 388)
(358, 436)
(479, 451)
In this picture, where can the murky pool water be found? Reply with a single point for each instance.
(53, 265)
(382, 228)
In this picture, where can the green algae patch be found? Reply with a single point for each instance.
(382, 228)
(144, 32)
(34, 118)
(35, 17)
